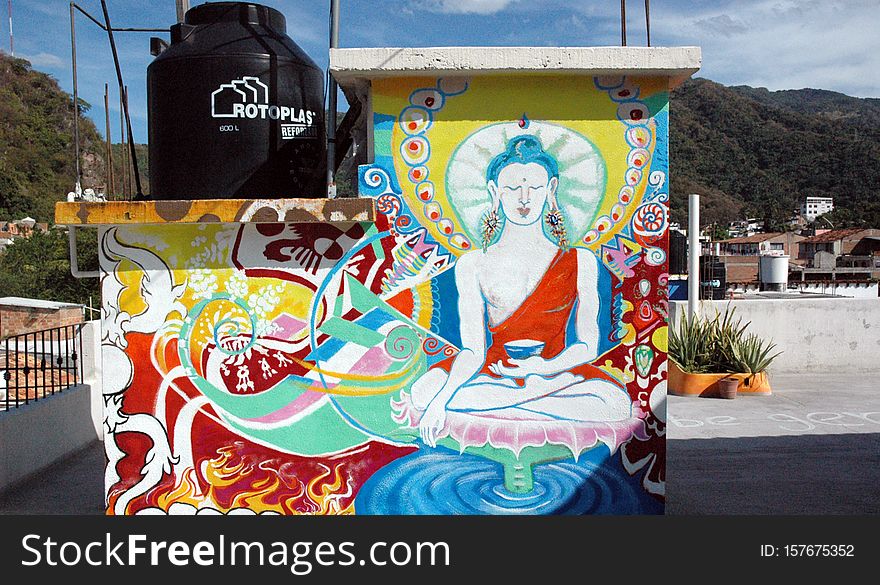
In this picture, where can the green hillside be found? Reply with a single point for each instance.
(36, 144)
(753, 152)
(747, 151)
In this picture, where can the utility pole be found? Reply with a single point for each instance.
(75, 99)
(132, 159)
(109, 162)
(693, 255)
(109, 28)
(622, 23)
(11, 41)
(122, 145)
(331, 109)
(182, 7)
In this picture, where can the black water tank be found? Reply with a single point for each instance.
(236, 109)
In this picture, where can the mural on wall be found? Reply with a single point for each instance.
(494, 343)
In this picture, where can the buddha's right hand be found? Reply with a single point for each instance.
(432, 422)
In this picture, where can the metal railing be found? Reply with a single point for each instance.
(39, 364)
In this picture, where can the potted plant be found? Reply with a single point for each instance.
(703, 351)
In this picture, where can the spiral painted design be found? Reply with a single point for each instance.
(650, 219)
(657, 178)
(402, 342)
(388, 204)
(374, 181)
(432, 346)
(655, 257)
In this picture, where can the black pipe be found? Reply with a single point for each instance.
(129, 29)
(137, 175)
(331, 107)
(75, 97)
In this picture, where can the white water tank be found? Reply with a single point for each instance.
(773, 272)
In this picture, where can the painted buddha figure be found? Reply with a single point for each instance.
(517, 298)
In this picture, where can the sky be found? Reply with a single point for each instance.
(777, 44)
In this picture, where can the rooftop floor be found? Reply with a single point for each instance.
(813, 447)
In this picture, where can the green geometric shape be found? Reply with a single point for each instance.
(351, 332)
(318, 433)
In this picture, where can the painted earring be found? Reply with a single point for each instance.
(489, 224)
(556, 223)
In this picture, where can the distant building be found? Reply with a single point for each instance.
(756, 244)
(19, 315)
(745, 227)
(849, 254)
(741, 256)
(813, 207)
(20, 228)
(851, 241)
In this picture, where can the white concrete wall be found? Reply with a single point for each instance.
(38, 434)
(816, 335)
(93, 372)
(857, 290)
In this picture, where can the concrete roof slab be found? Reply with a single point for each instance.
(350, 65)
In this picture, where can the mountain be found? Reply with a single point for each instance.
(36, 144)
(750, 151)
(819, 102)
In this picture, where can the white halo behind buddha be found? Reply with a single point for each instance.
(582, 174)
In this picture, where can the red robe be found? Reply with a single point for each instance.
(543, 316)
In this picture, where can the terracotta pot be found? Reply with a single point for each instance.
(686, 384)
(727, 387)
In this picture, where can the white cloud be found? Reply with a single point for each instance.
(41, 60)
(466, 6)
(723, 24)
(781, 44)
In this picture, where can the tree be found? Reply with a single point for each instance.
(38, 267)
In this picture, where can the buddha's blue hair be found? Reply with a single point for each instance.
(524, 150)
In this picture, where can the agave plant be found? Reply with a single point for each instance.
(718, 344)
(752, 353)
(690, 347)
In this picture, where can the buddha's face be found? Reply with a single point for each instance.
(521, 192)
